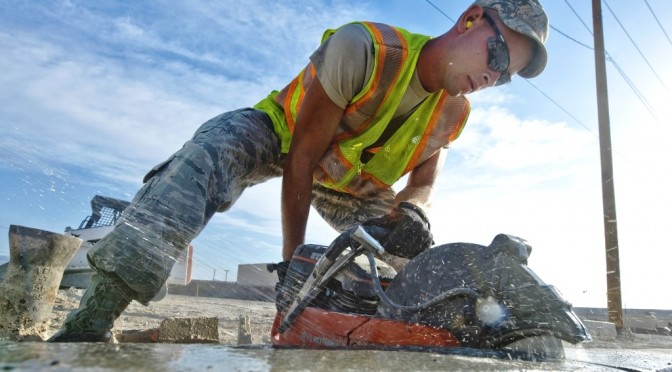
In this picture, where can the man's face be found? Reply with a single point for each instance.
(481, 52)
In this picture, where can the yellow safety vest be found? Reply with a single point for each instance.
(438, 120)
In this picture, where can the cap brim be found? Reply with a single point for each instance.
(538, 62)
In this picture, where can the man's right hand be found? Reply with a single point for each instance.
(282, 296)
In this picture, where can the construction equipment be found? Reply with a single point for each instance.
(105, 212)
(453, 295)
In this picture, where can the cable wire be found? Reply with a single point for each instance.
(609, 58)
(440, 11)
(579, 17)
(635, 45)
(632, 85)
(562, 108)
(657, 20)
(572, 39)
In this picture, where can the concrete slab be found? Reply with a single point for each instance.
(189, 330)
(601, 330)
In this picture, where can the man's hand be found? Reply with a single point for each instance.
(405, 232)
(282, 296)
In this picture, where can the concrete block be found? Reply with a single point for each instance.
(601, 330)
(28, 290)
(137, 336)
(189, 330)
(244, 330)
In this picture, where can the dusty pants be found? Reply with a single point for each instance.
(227, 154)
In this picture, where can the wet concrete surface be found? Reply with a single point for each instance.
(631, 353)
(174, 357)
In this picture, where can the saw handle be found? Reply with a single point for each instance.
(341, 243)
(361, 236)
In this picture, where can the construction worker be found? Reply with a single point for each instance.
(373, 104)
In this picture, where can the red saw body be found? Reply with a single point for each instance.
(318, 328)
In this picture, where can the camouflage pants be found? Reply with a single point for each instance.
(227, 154)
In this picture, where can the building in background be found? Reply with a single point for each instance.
(256, 275)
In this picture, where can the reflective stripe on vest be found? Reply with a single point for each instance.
(433, 124)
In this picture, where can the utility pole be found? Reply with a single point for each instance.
(214, 271)
(614, 303)
(226, 274)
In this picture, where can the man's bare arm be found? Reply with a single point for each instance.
(314, 130)
(420, 184)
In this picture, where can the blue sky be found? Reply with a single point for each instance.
(93, 94)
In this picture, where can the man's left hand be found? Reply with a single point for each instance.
(404, 232)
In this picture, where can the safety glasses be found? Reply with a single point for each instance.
(498, 53)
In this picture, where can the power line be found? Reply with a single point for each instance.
(440, 11)
(562, 108)
(632, 85)
(635, 45)
(202, 263)
(618, 68)
(657, 20)
(590, 31)
(609, 58)
(571, 38)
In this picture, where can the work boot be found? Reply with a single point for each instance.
(101, 305)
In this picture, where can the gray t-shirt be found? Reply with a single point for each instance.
(344, 63)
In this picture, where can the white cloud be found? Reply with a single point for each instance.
(497, 148)
(122, 106)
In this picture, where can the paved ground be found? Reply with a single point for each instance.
(261, 314)
(629, 352)
(139, 317)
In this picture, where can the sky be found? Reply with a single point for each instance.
(93, 94)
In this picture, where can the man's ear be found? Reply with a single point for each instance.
(469, 18)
